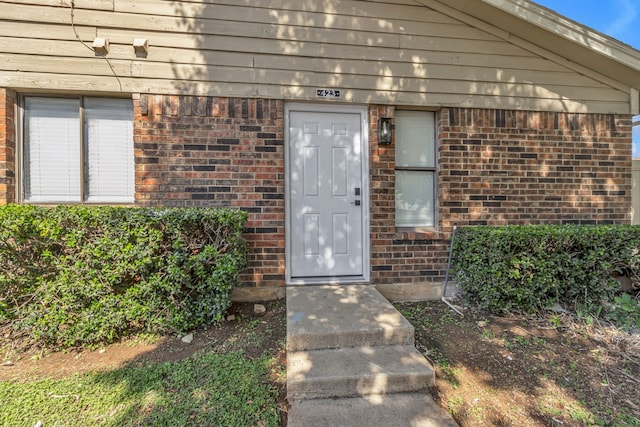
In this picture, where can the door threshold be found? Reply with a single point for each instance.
(343, 280)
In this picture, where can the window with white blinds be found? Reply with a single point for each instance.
(109, 165)
(415, 168)
(69, 159)
(52, 150)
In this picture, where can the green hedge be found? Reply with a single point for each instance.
(525, 268)
(81, 276)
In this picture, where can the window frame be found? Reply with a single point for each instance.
(431, 170)
(83, 169)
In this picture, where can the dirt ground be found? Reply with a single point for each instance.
(546, 371)
(491, 371)
(243, 330)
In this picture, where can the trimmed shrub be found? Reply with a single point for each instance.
(526, 268)
(81, 276)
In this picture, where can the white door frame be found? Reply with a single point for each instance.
(364, 123)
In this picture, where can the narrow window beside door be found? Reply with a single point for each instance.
(415, 168)
(78, 150)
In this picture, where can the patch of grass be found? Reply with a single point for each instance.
(538, 342)
(252, 335)
(449, 373)
(406, 313)
(515, 342)
(418, 317)
(625, 419)
(449, 317)
(454, 405)
(486, 334)
(557, 406)
(209, 389)
(555, 321)
(582, 415)
(550, 405)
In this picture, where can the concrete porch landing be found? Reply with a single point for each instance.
(351, 361)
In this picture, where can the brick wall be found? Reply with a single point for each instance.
(228, 152)
(7, 147)
(494, 168)
(497, 168)
(397, 255)
(507, 167)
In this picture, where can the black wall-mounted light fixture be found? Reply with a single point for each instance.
(384, 130)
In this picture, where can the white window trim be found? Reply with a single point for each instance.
(424, 169)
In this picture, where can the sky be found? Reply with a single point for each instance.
(616, 18)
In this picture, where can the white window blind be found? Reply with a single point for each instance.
(54, 166)
(109, 153)
(52, 152)
(415, 139)
(415, 168)
(414, 198)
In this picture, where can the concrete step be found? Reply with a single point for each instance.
(356, 371)
(351, 362)
(415, 410)
(321, 317)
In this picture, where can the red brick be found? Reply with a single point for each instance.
(496, 167)
(7, 146)
(185, 129)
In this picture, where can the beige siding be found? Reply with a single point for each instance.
(376, 51)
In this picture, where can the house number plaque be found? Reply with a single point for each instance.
(328, 93)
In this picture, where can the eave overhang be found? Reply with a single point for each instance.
(527, 23)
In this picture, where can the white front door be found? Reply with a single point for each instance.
(327, 196)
